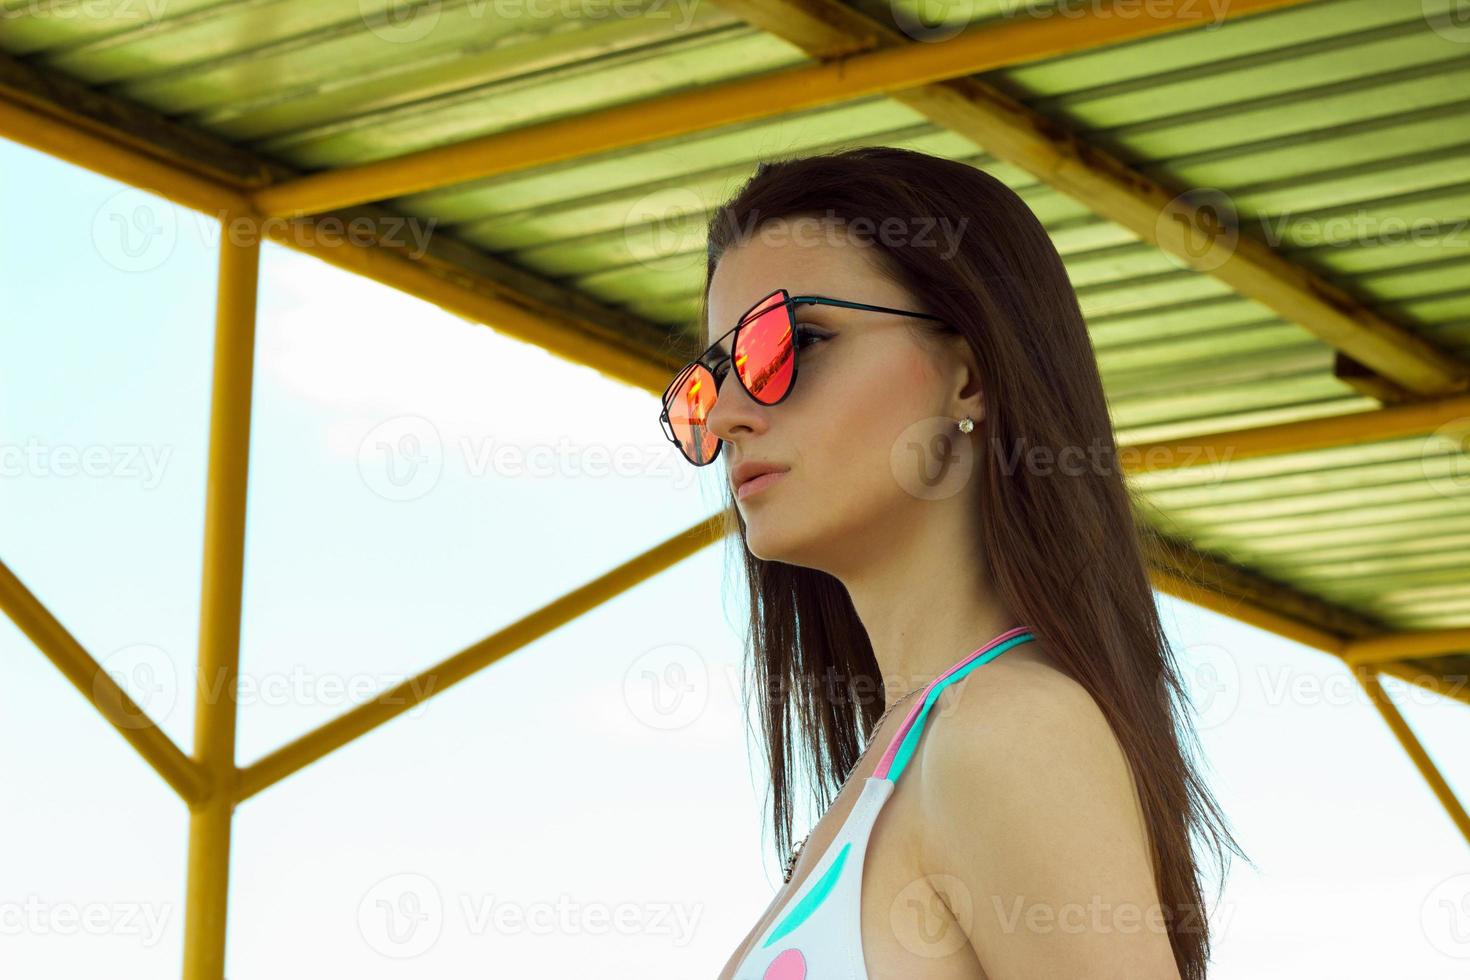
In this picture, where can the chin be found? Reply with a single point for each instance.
(770, 539)
(765, 535)
(760, 540)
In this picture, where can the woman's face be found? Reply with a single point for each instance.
(868, 397)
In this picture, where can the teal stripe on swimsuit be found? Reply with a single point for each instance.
(911, 741)
(812, 899)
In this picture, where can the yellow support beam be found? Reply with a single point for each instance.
(1386, 357)
(1351, 428)
(1393, 647)
(1245, 611)
(102, 154)
(485, 302)
(765, 96)
(909, 71)
(97, 686)
(221, 595)
(1456, 689)
(1368, 678)
(340, 731)
(1239, 594)
(365, 717)
(457, 291)
(1441, 641)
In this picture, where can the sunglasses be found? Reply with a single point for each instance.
(765, 352)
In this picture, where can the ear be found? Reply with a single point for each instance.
(967, 396)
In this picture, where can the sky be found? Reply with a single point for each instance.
(588, 806)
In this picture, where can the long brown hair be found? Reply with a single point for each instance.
(1065, 555)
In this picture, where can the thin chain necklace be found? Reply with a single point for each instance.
(796, 852)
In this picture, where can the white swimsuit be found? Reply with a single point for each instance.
(817, 934)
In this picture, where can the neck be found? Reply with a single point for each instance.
(924, 599)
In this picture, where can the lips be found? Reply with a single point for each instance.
(745, 472)
(758, 483)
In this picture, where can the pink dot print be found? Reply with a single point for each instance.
(789, 965)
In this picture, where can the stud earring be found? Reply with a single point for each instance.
(967, 424)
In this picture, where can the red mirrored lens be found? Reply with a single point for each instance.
(764, 359)
(689, 406)
(763, 351)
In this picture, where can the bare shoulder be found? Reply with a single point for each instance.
(1019, 691)
(1030, 810)
(1022, 724)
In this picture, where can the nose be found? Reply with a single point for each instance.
(735, 415)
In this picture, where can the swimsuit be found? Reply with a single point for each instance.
(816, 935)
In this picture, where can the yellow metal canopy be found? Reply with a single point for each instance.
(1263, 206)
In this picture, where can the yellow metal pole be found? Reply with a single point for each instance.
(101, 154)
(339, 731)
(97, 686)
(1404, 645)
(1453, 686)
(1368, 678)
(1245, 611)
(1393, 647)
(764, 96)
(1213, 448)
(220, 600)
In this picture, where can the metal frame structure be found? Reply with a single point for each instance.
(855, 56)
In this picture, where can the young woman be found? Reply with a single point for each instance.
(945, 572)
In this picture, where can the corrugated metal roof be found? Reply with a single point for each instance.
(1333, 130)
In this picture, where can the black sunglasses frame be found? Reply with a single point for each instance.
(759, 308)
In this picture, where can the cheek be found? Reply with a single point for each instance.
(846, 429)
(898, 387)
